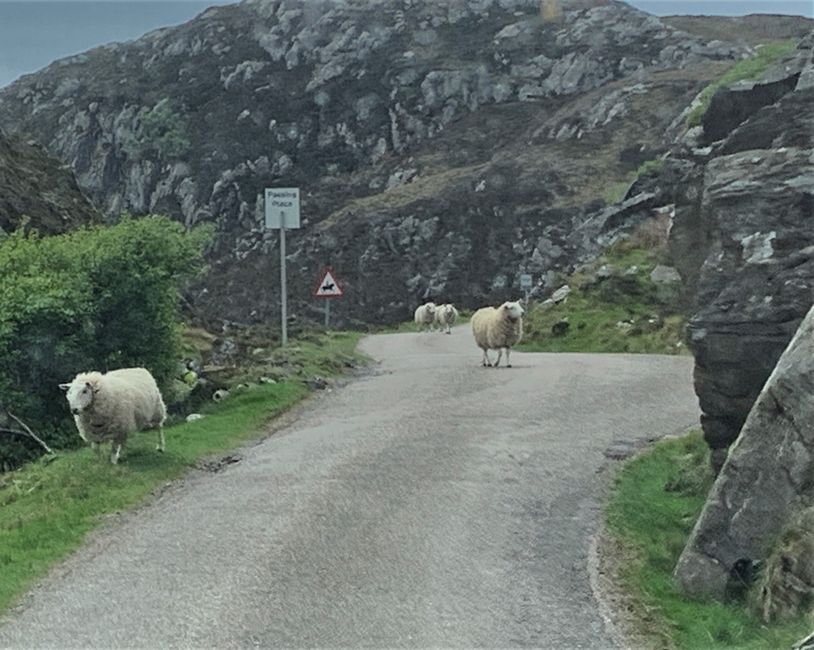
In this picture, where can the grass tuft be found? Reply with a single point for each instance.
(622, 313)
(753, 68)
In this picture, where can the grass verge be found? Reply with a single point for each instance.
(48, 507)
(621, 313)
(656, 499)
(753, 68)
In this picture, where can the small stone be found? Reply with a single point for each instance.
(220, 395)
(561, 294)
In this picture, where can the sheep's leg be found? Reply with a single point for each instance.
(116, 451)
(161, 445)
(508, 363)
(499, 357)
(486, 363)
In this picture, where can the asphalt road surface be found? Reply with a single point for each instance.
(432, 503)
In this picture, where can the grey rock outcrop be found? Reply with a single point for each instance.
(668, 283)
(743, 242)
(767, 477)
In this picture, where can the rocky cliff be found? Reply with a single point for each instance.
(38, 191)
(741, 187)
(441, 148)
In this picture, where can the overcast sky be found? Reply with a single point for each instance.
(35, 32)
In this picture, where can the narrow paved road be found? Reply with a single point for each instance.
(433, 503)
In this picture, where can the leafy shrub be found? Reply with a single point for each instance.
(161, 131)
(94, 299)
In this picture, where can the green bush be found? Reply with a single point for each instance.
(97, 298)
(161, 131)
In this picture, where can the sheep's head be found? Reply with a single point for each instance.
(514, 310)
(430, 307)
(80, 393)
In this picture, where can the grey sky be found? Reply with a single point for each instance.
(35, 32)
(726, 7)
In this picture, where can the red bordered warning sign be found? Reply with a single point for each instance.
(328, 286)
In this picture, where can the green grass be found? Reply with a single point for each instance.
(48, 507)
(657, 498)
(615, 192)
(748, 69)
(594, 312)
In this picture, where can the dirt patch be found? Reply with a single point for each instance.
(218, 464)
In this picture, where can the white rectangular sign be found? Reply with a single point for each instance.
(526, 281)
(282, 207)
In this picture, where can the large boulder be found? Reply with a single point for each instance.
(766, 481)
(756, 283)
(743, 242)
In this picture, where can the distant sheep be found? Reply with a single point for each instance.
(445, 317)
(498, 329)
(113, 405)
(425, 316)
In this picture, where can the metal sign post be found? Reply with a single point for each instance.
(283, 289)
(282, 208)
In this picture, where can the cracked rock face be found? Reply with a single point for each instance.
(757, 281)
(766, 479)
(742, 239)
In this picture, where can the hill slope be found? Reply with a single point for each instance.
(38, 190)
(442, 149)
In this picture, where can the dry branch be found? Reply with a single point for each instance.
(28, 432)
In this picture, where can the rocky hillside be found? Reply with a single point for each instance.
(441, 148)
(38, 191)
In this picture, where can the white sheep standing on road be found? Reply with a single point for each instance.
(424, 316)
(113, 405)
(498, 328)
(445, 317)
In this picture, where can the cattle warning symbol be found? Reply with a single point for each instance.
(328, 287)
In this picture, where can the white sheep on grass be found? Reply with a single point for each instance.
(445, 317)
(424, 316)
(113, 405)
(498, 328)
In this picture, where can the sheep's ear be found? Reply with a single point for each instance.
(64, 386)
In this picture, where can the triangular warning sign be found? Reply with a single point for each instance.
(328, 287)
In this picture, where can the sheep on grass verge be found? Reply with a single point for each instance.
(113, 405)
